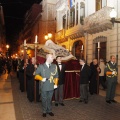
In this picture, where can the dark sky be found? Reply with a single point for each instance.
(14, 11)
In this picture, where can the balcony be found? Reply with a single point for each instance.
(98, 22)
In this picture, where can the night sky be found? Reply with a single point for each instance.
(14, 11)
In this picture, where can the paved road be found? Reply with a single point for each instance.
(96, 109)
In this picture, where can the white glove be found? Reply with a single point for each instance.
(34, 73)
(44, 79)
(35, 66)
(113, 72)
(55, 86)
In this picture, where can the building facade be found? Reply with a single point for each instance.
(83, 27)
(87, 23)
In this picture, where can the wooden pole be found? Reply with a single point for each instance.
(35, 69)
(98, 71)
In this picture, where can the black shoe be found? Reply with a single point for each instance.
(62, 104)
(56, 104)
(91, 93)
(80, 101)
(51, 114)
(114, 101)
(108, 101)
(86, 102)
(44, 114)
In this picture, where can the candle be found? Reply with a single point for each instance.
(98, 44)
(24, 42)
(82, 47)
(36, 39)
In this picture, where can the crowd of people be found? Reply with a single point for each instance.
(49, 78)
(7, 64)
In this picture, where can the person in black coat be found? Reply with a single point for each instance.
(84, 81)
(95, 70)
(30, 69)
(59, 90)
(21, 73)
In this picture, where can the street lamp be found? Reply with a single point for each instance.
(113, 15)
(7, 46)
(48, 36)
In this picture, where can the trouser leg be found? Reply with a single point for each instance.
(108, 92)
(113, 91)
(81, 92)
(61, 94)
(85, 92)
(56, 94)
(49, 101)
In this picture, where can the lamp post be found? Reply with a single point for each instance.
(113, 15)
(7, 46)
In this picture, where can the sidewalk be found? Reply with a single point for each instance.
(6, 99)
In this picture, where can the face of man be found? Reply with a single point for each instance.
(95, 61)
(81, 62)
(33, 60)
(113, 59)
(59, 59)
(50, 58)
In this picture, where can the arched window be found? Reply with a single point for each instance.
(82, 12)
(76, 51)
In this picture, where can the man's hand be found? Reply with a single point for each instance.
(44, 79)
(55, 86)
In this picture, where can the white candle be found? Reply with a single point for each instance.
(82, 47)
(24, 42)
(36, 38)
(98, 44)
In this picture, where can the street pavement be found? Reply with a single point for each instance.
(96, 109)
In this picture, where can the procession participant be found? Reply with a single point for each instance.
(111, 78)
(30, 68)
(21, 73)
(48, 75)
(102, 74)
(85, 73)
(95, 70)
(59, 90)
